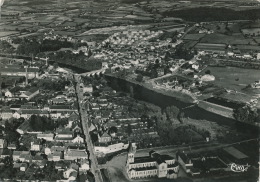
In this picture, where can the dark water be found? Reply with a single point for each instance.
(73, 68)
(141, 93)
(223, 102)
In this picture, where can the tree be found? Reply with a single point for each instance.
(139, 78)
(208, 72)
(89, 53)
(172, 112)
(12, 137)
(41, 123)
(246, 114)
(154, 73)
(26, 140)
(113, 129)
(129, 129)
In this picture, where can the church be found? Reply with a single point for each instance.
(152, 165)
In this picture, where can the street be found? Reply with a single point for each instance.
(84, 121)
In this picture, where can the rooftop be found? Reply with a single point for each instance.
(235, 153)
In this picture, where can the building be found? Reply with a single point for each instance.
(2, 143)
(31, 72)
(23, 156)
(64, 135)
(75, 154)
(84, 165)
(153, 165)
(211, 48)
(36, 145)
(258, 56)
(27, 113)
(104, 138)
(6, 113)
(62, 108)
(20, 166)
(184, 161)
(46, 136)
(110, 147)
(28, 95)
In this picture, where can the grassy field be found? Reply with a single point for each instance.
(227, 39)
(233, 78)
(195, 37)
(3, 34)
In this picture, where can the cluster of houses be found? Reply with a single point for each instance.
(131, 37)
(137, 49)
(108, 120)
(63, 146)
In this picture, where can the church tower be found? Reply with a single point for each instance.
(130, 155)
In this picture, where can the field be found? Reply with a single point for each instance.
(3, 34)
(233, 78)
(193, 36)
(252, 31)
(227, 39)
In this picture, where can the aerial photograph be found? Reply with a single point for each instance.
(129, 90)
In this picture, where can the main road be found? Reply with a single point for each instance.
(84, 121)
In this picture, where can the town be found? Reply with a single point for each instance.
(129, 91)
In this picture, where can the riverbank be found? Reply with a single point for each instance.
(141, 92)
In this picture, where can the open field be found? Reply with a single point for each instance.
(251, 31)
(3, 34)
(233, 78)
(227, 39)
(195, 37)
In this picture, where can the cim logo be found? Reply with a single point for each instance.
(238, 168)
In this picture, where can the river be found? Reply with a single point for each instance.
(141, 93)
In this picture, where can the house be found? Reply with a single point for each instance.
(16, 115)
(60, 108)
(70, 174)
(73, 117)
(77, 139)
(84, 165)
(88, 89)
(36, 145)
(3, 143)
(23, 156)
(110, 147)
(258, 56)
(27, 113)
(37, 158)
(58, 100)
(6, 153)
(11, 146)
(15, 107)
(6, 113)
(55, 156)
(28, 95)
(104, 138)
(53, 148)
(184, 161)
(62, 165)
(75, 154)
(154, 165)
(64, 135)
(9, 94)
(20, 166)
(46, 136)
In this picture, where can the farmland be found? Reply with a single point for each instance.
(227, 39)
(233, 78)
